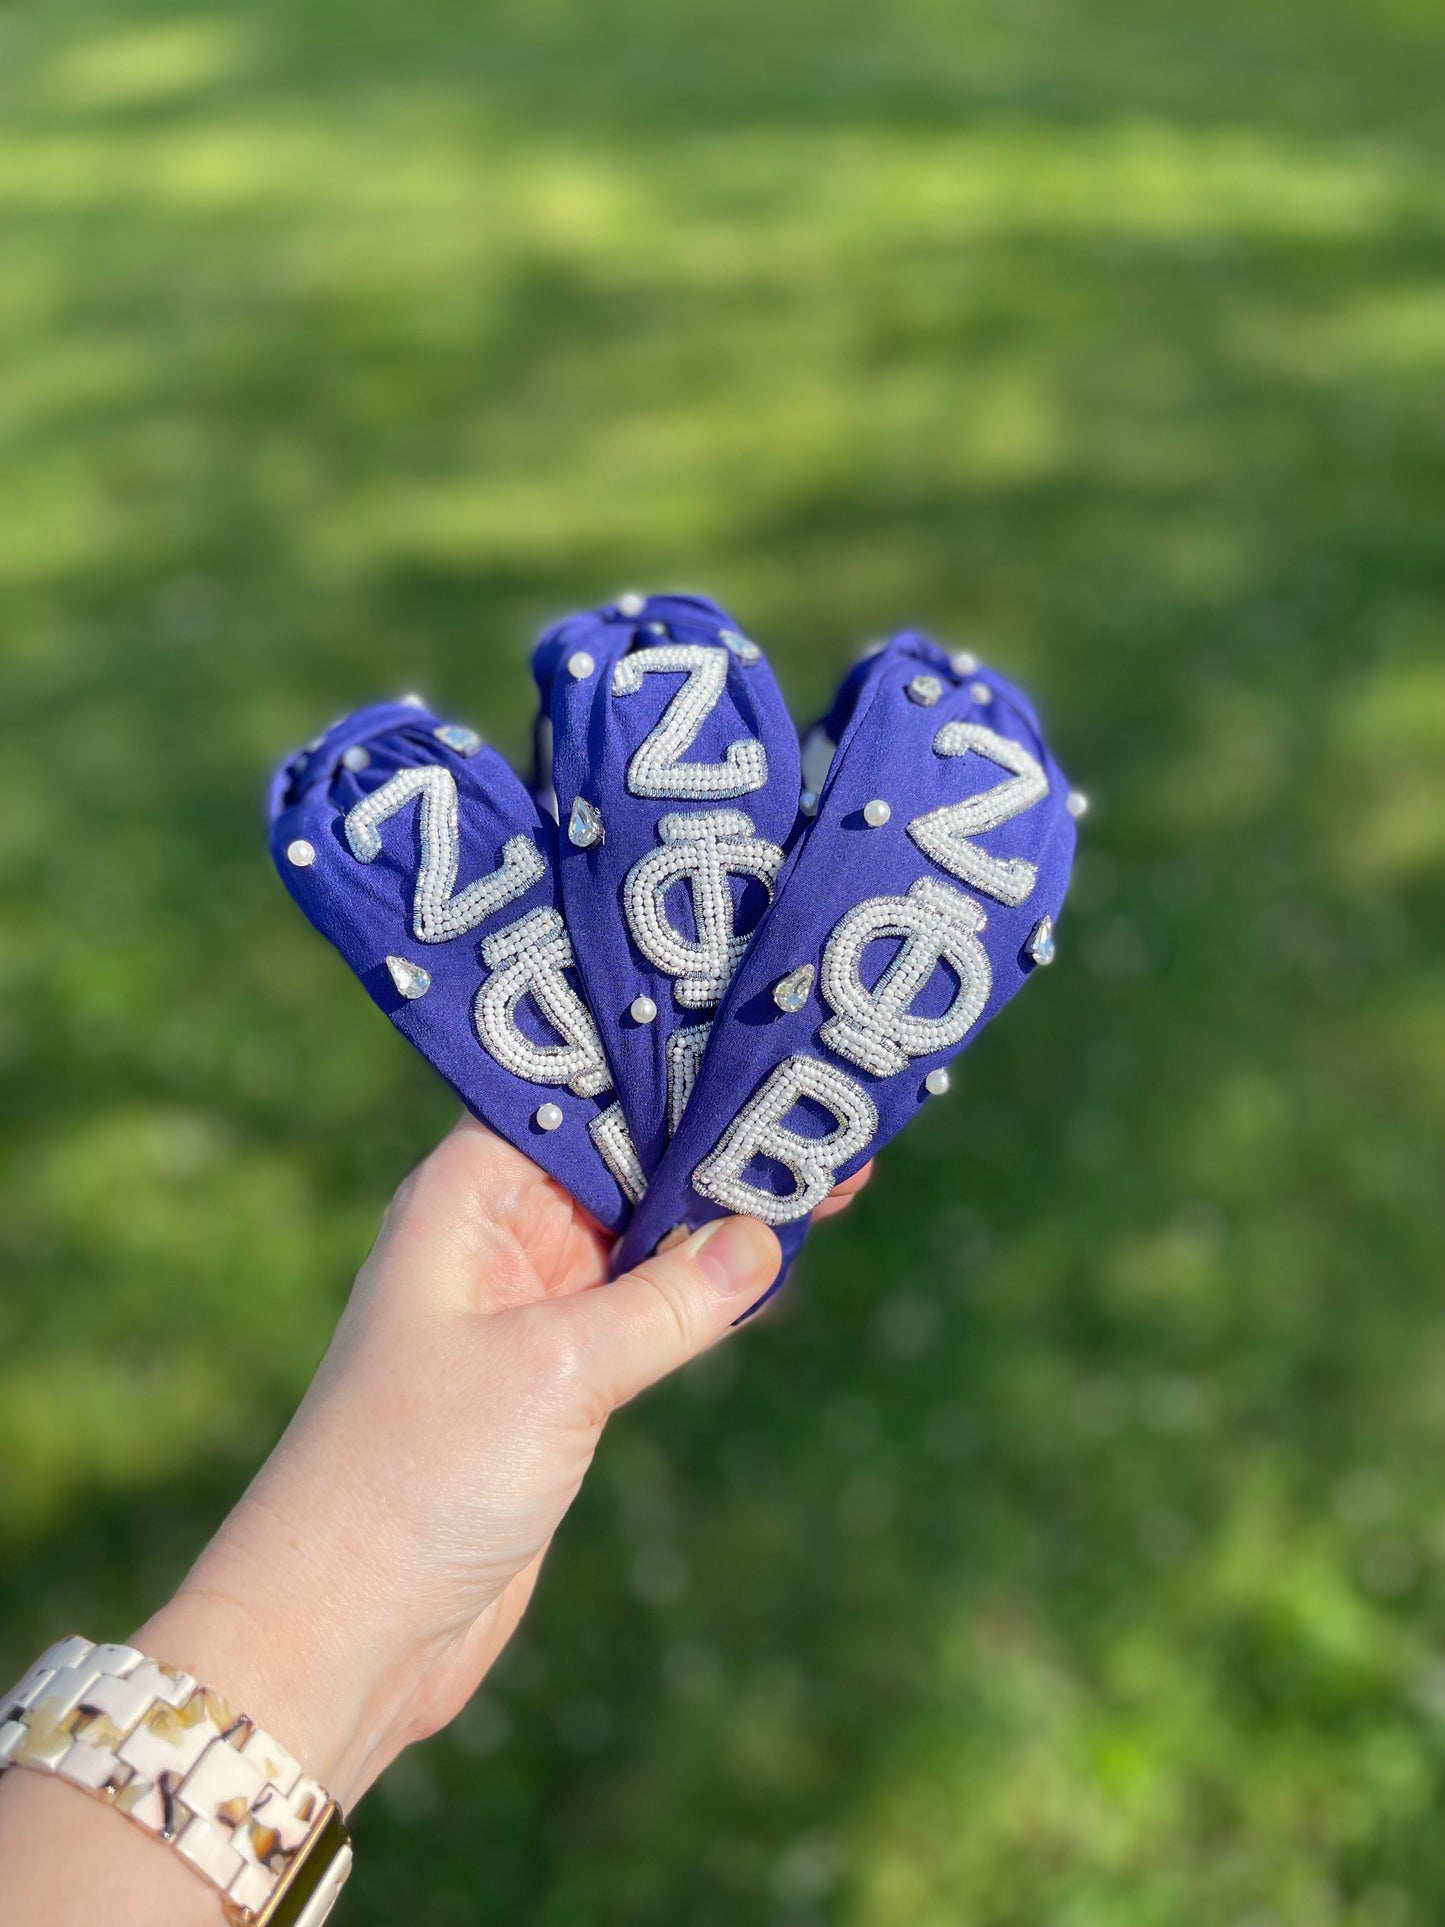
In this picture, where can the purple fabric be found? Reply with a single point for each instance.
(921, 923)
(596, 732)
(885, 750)
(366, 910)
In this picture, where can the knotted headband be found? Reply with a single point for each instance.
(725, 976)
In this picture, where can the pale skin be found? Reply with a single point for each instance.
(364, 1585)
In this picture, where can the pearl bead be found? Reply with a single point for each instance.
(1076, 803)
(808, 802)
(979, 692)
(963, 662)
(549, 1117)
(301, 853)
(357, 758)
(937, 1082)
(643, 1010)
(631, 605)
(876, 813)
(412, 700)
(580, 665)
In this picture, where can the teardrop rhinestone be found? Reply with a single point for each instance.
(746, 651)
(1040, 946)
(793, 991)
(458, 737)
(410, 979)
(584, 826)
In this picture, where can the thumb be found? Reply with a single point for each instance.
(648, 1322)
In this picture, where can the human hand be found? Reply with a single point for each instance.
(379, 1562)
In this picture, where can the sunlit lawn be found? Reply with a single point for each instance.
(1069, 1548)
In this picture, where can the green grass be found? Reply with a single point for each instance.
(1069, 1550)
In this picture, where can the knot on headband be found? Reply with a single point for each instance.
(696, 968)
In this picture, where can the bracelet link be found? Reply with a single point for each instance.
(177, 1761)
(308, 1889)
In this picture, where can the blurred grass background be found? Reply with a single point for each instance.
(1069, 1548)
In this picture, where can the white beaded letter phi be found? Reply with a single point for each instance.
(529, 958)
(702, 850)
(878, 1028)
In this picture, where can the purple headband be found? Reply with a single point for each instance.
(730, 976)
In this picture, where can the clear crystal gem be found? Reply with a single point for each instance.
(808, 802)
(925, 691)
(793, 991)
(1040, 946)
(549, 1117)
(457, 736)
(410, 979)
(584, 826)
(301, 853)
(876, 813)
(745, 650)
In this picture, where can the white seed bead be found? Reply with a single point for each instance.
(549, 1117)
(643, 1010)
(631, 605)
(356, 757)
(301, 853)
(580, 665)
(876, 813)
(937, 1082)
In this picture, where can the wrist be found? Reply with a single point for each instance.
(293, 1649)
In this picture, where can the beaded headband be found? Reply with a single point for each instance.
(733, 972)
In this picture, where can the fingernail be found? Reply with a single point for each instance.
(737, 1255)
